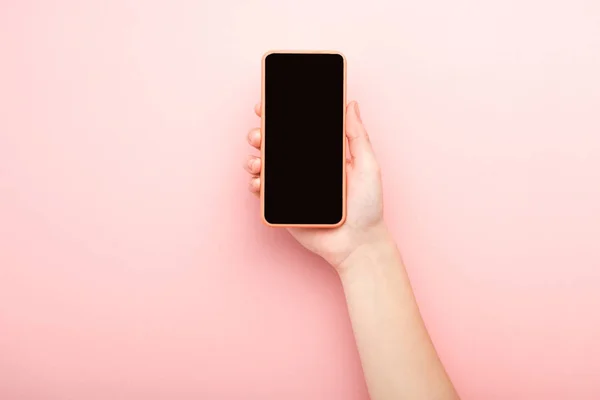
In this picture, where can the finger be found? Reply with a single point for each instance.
(252, 165)
(258, 109)
(255, 185)
(358, 139)
(254, 138)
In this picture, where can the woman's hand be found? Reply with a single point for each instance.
(398, 358)
(364, 223)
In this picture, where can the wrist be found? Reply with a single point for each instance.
(375, 245)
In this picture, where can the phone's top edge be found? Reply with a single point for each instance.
(316, 52)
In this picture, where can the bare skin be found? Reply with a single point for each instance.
(397, 355)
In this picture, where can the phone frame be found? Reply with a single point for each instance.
(264, 141)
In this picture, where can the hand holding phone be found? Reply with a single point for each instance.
(364, 200)
(299, 139)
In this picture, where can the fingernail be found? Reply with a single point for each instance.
(357, 111)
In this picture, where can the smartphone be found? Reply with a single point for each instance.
(303, 177)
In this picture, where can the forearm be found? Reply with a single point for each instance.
(397, 355)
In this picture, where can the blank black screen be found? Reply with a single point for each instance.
(304, 138)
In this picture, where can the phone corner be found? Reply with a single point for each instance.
(341, 55)
(267, 54)
(341, 222)
(265, 222)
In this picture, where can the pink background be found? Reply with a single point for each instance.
(133, 264)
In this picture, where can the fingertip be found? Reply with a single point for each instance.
(353, 111)
(258, 109)
(252, 165)
(255, 184)
(350, 106)
(254, 138)
(357, 111)
(358, 138)
(354, 126)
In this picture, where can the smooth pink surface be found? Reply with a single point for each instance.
(133, 264)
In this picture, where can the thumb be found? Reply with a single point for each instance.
(358, 139)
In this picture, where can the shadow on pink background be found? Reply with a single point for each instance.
(133, 264)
